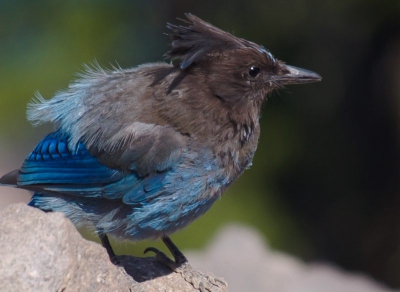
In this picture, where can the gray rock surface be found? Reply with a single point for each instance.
(44, 252)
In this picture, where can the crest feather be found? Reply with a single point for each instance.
(194, 42)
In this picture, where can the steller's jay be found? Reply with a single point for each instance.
(141, 153)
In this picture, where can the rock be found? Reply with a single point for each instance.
(44, 252)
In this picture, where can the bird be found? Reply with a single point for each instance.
(141, 153)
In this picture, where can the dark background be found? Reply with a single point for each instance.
(325, 180)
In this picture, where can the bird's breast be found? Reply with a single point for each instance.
(236, 155)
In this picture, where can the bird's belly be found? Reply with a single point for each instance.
(165, 217)
(172, 210)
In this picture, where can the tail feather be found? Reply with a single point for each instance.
(10, 178)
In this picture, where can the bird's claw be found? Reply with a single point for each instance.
(199, 280)
(162, 258)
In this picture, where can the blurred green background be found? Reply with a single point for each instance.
(325, 180)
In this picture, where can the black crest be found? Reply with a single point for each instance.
(194, 42)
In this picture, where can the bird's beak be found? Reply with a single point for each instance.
(294, 75)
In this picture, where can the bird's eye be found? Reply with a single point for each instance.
(254, 71)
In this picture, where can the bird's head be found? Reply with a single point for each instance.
(236, 70)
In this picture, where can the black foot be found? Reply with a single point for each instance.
(199, 280)
(105, 242)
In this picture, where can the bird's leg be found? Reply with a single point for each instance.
(180, 259)
(199, 280)
(105, 242)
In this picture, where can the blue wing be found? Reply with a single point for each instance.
(53, 168)
(52, 162)
(133, 172)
